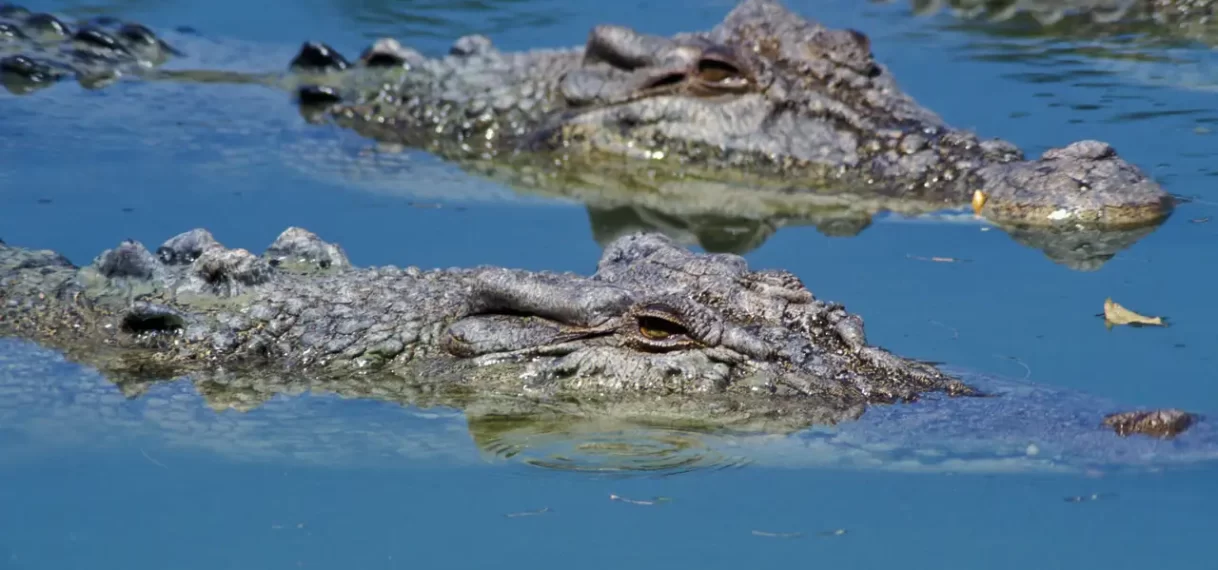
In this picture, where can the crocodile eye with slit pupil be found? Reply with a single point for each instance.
(651, 333)
(716, 71)
(657, 328)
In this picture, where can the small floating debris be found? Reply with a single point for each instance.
(1089, 498)
(1027, 370)
(1204, 220)
(938, 259)
(777, 534)
(531, 513)
(653, 501)
(152, 460)
(1115, 314)
(768, 534)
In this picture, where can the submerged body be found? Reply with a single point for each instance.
(766, 100)
(658, 333)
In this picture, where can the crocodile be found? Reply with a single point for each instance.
(698, 335)
(766, 100)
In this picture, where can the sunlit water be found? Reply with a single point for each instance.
(89, 479)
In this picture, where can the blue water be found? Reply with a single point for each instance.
(89, 480)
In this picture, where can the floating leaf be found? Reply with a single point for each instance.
(979, 200)
(1115, 314)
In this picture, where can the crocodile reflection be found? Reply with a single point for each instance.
(1077, 249)
(52, 404)
(719, 216)
(1174, 20)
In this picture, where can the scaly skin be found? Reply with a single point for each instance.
(766, 100)
(38, 49)
(656, 325)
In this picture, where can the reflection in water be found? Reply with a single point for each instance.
(714, 234)
(720, 216)
(87, 8)
(597, 445)
(50, 406)
(445, 20)
(1077, 19)
(1078, 249)
(1112, 37)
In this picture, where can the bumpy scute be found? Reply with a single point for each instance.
(40, 49)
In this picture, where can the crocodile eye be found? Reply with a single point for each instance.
(659, 328)
(714, 71)
(718, 69)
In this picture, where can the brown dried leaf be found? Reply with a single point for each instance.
(1115, 314)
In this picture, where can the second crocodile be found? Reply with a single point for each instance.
(779, 104)
(767, 98)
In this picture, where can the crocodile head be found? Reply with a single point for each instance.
(766, 89)
(764, 92)
(777, 103)
(657, 320)
(701, 331)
